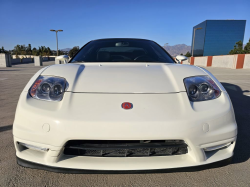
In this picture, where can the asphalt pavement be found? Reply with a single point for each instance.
(236, 82)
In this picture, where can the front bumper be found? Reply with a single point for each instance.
(56, 159)
(99, 117)
(33, 165)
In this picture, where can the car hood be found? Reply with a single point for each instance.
(124, 77)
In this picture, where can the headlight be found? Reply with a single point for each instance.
(48, 88)
(201, 88)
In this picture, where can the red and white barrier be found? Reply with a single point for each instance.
(237, 61)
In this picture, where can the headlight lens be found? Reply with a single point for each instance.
(201, 88)
(48, 88)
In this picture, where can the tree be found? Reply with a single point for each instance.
(17, 50)
(35, 52)
(188, 54)
(45, 51)
(23, 49)
(42, 51)
(2, 50)
(28, 50)
(49, 52)
(238, 48)
(247, 47)
(73, 51)
(60, 52)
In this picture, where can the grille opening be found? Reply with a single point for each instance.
(125, 148)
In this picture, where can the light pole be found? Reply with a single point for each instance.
(193, 40)
(56, 37)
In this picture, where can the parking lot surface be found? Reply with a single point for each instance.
(236, 82)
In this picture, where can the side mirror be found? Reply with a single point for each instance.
(180, 58)
(64, 59)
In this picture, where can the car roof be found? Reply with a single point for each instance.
(121, 39)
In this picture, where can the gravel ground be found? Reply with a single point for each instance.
(13, 80)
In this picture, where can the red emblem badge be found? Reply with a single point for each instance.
(127, 105)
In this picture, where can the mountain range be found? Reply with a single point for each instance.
(66, 49)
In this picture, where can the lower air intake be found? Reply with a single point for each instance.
(125, 148)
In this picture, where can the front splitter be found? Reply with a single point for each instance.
(33, 165)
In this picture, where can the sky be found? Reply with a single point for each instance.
(164, 21)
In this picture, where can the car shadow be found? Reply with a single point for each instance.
(9, 70)
(241, 104)
(5, 128)
(20, 63)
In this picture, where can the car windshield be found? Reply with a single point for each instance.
(122, 50)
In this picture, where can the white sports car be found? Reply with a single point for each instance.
(123, 104)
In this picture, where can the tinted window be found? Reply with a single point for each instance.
(122, 50)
